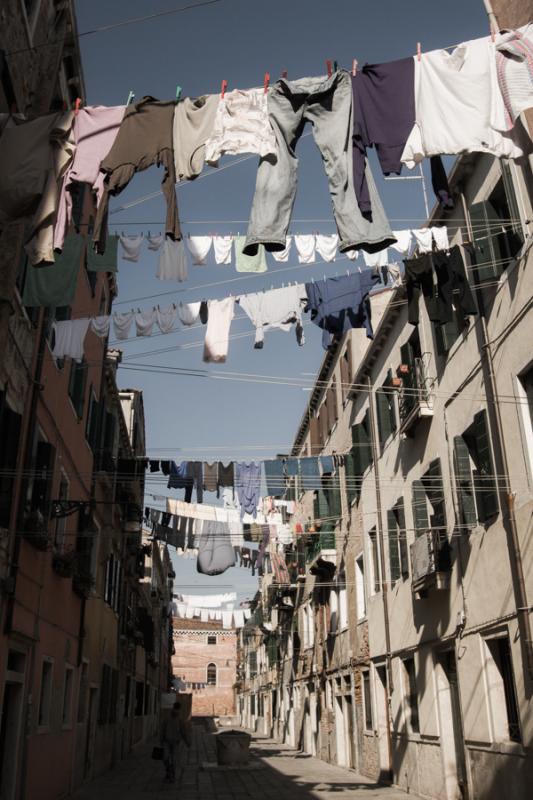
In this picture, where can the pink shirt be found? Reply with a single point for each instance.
(95, 130)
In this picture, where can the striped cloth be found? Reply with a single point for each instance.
(514, 67)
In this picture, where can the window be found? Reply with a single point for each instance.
(501, 689)
(367, 700)
(346, 369)
(76, 388)
(374, 578)
(398, 554)
(343, 603)
(9, 436)
(105, 695)
(327, 499)
(360, 597)
(385, 410)
(61, 522)
(474, 473)
(497, 230)
(10, 100)
(525, 395)
(45, 697)
(331, 406)
(308, 625)
(112, 582)
(66, 716)
(252, 663)
(212, 639)
(82, 696)
(39, 492)
(429, 512)
(211, 674)
(411, 695)
(333, 610)
(92, 428)
(359, 458)
(139, 698)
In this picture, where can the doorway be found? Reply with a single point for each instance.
(340, 731)
(10, 738)
(383, 722)
(451, 739)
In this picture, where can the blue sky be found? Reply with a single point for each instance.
(240, 40)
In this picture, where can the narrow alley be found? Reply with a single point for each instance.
(275, 771)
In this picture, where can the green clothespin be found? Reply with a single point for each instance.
(131, 98)
(178, 92)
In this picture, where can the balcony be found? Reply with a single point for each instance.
(322, 552)
(416, 398)
(430, 562)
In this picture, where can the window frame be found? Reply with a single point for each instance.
(501, 690)
(360, 588)
(366, 697)
(410, 694)
(45, 701)
(67, 704)
(209, 681)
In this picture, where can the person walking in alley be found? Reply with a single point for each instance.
(173, 730)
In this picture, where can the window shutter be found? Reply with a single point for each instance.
(333, 490)
(485, 221)
(463, 479)
(394, 555)
(366, 439)
(446, 335)
(383, 414)
(420, 514)
(351, 477)
(514, 231)
(402, 538)
(314, 435)
(432, 481)
(323, 423)
(484, 479)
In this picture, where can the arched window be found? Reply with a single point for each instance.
(211, 674)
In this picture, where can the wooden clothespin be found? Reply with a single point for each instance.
(178, 92)
(131, 97)
(328, 66)
(419, 51)
(354, 67)
(284, 74)
(77, 105)
(223, 88)
(266, 81)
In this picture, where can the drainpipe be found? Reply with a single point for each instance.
(375, 455)
(507, 495)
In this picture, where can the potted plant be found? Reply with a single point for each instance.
(64, 563)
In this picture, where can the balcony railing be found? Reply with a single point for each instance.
(415, 394)
(322, 553)
(430, 561)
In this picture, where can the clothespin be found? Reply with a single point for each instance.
(335, 66)
(178, 92)
(354, 67)
(223, 88)
(492, 32)
(266, 81)
(328, 65)
(77, 105)
(131, 97)
(284, 74)
(419, 51)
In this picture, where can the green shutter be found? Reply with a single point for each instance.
(402, 538)
(394, 554)
(383, 415)
(463, 479)
(485, 222)
(485, 486)
(446, 335)
(320, 504)
(420, 514)
(432, 481)
(332, 490)
(350, 478)
(515, 235)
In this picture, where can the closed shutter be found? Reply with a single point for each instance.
(420, 513)
(445, 335)
(42, 486)
(463, 480)
(323, 423)
(402, 538)
(333, 490)
(252, 656)
(331, 406)
(314, 435)
(394, 554)
(350, 477)
(93, 422)
(486, 222)
(383, 415)
(321, 507)
(485, 486)
(514, 232)
(77, 383)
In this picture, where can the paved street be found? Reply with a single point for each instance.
(275, 773)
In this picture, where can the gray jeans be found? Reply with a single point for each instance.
(327, 104)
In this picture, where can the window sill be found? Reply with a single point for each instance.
(505, 748)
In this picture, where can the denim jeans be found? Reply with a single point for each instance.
(327, 104)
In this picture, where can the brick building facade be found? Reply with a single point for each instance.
(205, 661)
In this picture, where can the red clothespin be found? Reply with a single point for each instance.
(354, 67)
(328, 65)
(419, 51)
(223, 88)
(266, 81)
(284, 74)
(77, 106)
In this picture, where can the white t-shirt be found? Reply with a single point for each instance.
(459, 106)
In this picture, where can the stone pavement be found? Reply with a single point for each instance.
(276, 772)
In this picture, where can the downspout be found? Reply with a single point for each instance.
(506, 494)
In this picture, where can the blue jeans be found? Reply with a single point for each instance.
(327, 104)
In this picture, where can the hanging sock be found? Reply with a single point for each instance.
(166, 318)
(189, 313)
(131, 246)
(144, 322)
(218, 327)
(122, 324)
(402, 244)
(172, 261)
(222, 246)
(283, 255)
(155, 241)
(305, 245)
(199, 247)
(100, 325)
(440, 237)
(352, 254)
(327, 246)
(69, 338)
(424, 239)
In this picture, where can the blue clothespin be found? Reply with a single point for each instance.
(178, 92)
(131, 98)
